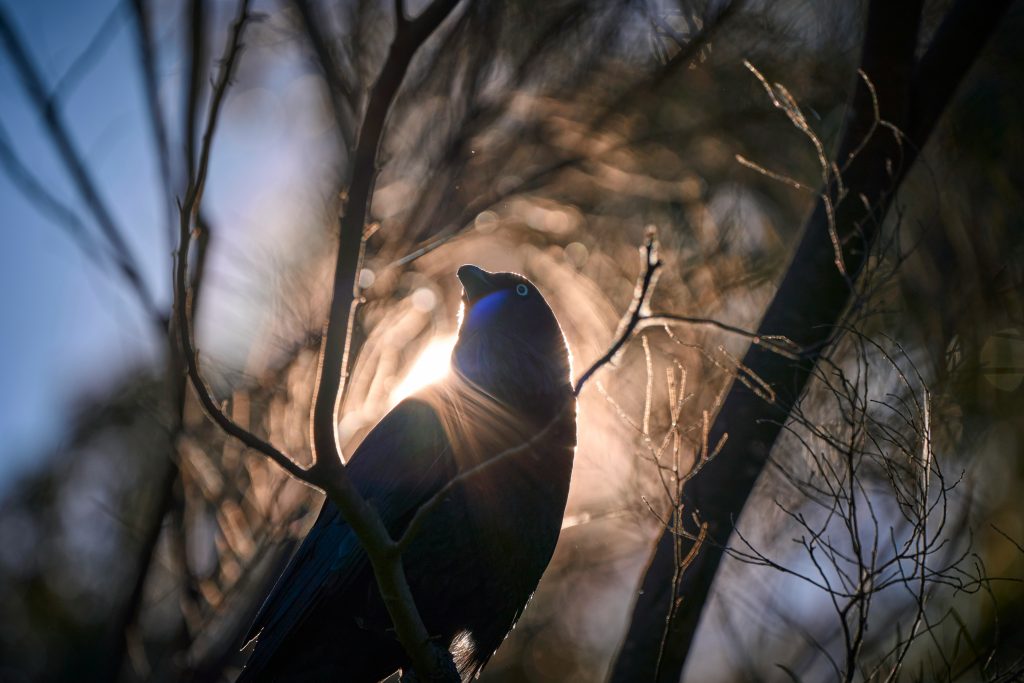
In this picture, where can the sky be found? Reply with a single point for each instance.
(69, 326)
(62, 317)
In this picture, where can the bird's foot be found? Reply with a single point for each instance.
(446, 669)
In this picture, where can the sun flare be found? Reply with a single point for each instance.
(433, 363)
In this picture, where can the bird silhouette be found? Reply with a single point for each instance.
(479, 552)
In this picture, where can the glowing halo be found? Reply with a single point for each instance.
(432, 365)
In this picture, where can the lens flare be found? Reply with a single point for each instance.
(433, 363)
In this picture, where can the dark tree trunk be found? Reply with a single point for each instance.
(810, 301)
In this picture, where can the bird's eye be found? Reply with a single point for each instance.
(522, 290)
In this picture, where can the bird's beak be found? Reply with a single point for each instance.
(477, 282)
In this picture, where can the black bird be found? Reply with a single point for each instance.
(478, 556)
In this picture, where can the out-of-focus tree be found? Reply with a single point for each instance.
(546, 139)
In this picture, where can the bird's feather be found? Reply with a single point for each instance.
(410, 440)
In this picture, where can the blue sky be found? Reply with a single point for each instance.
(67, 325)
(62, 318)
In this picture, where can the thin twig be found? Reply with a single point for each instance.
(644, 288)
(187, 212)
(638, 318)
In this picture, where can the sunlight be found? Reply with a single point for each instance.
(432, 365)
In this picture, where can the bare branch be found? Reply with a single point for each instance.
(644, 287)
(337, 351)
(776, 343)
(638, 93)
(639, 317)
(195, 55)
(188, 212)
(327, 471)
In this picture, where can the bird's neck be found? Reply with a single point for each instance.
(521, 376)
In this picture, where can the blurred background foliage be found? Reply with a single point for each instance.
(536, 137)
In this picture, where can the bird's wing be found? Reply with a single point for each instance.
(329, 552)
(403, 461)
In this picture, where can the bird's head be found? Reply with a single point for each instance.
(510, 343)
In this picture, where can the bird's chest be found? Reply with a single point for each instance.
(507, 510)
(487, 544)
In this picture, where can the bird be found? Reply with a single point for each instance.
(498, 434)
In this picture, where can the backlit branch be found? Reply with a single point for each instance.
(639, 317)
(188, 212)
(327, 471)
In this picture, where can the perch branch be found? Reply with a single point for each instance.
(327, 471)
